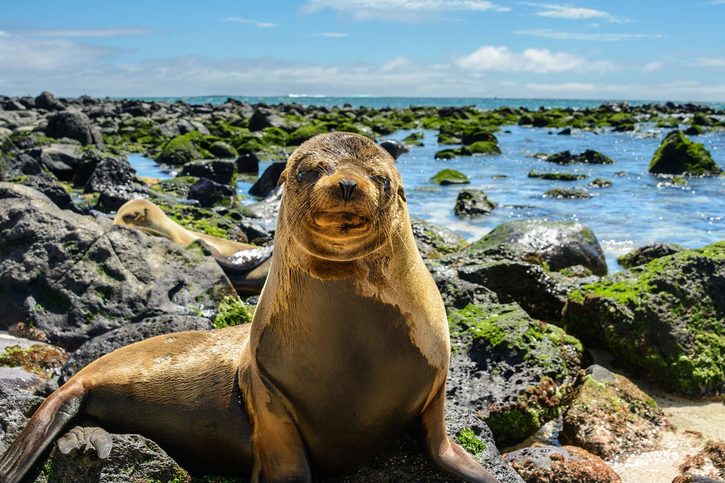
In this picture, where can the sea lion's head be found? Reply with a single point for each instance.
(343, 196)
(143, 215)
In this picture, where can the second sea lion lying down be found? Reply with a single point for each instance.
(349, 345)
(245, 265)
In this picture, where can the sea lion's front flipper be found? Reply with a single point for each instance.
(85, 439)
(448, 455)
(47, 422)
(279, 453)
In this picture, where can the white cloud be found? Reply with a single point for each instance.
(541, 61)
(600, 37)
(330, 35)
(572, 13)
(249, 21)
(653, 66)
(20, 54)
(88, 33)
(70, 68)
(398, 10)
(709, 62)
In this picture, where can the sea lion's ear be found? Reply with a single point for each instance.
(282, 178)
(401, 193)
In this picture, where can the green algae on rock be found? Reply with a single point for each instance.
(647, 253)
(182, 149)
(445, 154)
(568, 193)
(484, 147)
(664, 317)
(493, 341)
(556, 176)
(433, 241)
(450, 176)
(609, 416)
(231, 311)
(678, 155)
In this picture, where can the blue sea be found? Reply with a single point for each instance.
(638, 209)
(403, 102)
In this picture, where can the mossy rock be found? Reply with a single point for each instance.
(552, 244)
(678, 155)
(450, 176)
(473, 203)
(609, 416)
(222, 150)
(647, 253)
(478, 135)
(557, 176)
(445, 154)
(414, 139)
(182, 149)
(568, 193)
(664, 318)
(302, 134)
(484, 147)
(177, 186)
(511, 366)
(600, 183)
(433, 240)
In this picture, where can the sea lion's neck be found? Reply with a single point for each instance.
(372, 274)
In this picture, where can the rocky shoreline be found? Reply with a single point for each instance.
(527, 303)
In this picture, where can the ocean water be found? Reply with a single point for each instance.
(402, 102)
(638, 209)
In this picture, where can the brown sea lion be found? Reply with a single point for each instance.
(247, 278)
(349, 345)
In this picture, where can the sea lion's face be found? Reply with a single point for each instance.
(141, 214)
(342, 196)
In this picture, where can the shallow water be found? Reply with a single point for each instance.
(693, 423)
(638, 209)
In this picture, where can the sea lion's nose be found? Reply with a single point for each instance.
(347, 186)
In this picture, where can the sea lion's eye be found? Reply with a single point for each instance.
(384, 182)
(308, 176)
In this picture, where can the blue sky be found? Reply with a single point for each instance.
(449, 48)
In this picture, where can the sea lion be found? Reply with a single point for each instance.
(247, 277)
(349, 345)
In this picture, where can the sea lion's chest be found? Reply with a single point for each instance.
(348, 365)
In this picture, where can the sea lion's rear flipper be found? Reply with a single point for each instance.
(446, 454)
(85, 439)
(247, 270)
(47, 422)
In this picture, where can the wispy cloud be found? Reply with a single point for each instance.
(573, 13)
(540, 61)
(330, 35)
(653, 66)
(21, 55)
(709, 62)
(88, 33)
(597, 37)
(249, 21)
(399, 10)
(717, 2)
